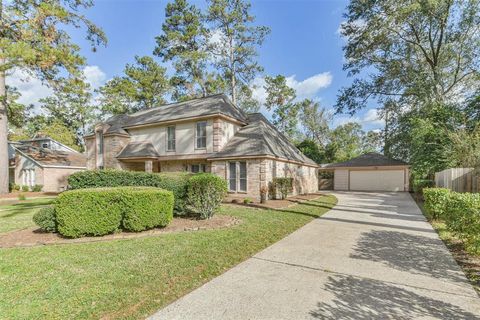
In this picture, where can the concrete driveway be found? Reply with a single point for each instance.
(374, 256)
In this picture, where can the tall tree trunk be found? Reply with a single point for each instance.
(3, 133)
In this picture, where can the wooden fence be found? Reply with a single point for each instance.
(458, 179)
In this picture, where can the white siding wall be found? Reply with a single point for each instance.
(184, 136)
(340, 179)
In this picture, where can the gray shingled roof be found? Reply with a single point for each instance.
(211, 105)
(260, 138)
(116, 124)
(371, 159)
(47, 157)
(138, 150)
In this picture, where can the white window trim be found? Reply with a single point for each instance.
(196, 135)
(237, 176)
(174, 139)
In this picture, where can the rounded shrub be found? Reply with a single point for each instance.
(175, 182)
(146, 208)
(436, 201)
(100, 211)
(205, 192)
(45, 218)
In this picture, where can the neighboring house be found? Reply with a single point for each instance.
(45, 142)
(202, 135)
(370, 172)
(33, 164)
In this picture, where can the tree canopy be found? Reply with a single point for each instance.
(33, 38)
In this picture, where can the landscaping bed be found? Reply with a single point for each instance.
(35, 236)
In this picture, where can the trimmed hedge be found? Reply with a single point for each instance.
(436, 200)
(45, 218)
(460, 211)
(205, 192)
(175, 182)
(463, 218)
(100, 211)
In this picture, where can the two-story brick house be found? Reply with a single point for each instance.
(202, 135)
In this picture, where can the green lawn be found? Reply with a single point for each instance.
(19, 215)
(131, 279)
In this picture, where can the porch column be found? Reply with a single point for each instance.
(148, 166)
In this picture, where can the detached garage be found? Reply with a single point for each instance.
(370, 172)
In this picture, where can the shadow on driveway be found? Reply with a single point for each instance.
(365, 299)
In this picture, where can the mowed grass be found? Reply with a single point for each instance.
(19, 215)
(131, 279)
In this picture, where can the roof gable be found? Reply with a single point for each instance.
(260, 138)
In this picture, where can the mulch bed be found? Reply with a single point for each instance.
(274, 204)
(35, 237)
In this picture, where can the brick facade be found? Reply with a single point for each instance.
(261, 172)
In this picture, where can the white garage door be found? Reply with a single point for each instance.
(378, 180)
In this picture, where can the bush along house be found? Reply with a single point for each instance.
(208, 134)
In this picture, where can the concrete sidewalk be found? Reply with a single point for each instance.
(374, 256)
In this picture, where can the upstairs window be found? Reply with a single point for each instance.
(201, 135)
(171, 138)
(100, 142)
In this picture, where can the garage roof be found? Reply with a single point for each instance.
(371, 159)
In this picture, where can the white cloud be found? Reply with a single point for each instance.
(372, 117)
(94, 76)
(309, 87)
(33, 89)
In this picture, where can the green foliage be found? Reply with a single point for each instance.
(101, 211)
(436, 201)
(184, 43)
(22, 197)
(236, 49)
(280, 99)
(16, 187)
(413, 52)
(345, 143)
(70, 109)
(463, 218)
(25, 188)
(93, 212)
(419, 184)
(46, 219)
(58, 131)
(284, 186)
(175, 182)
(143, 86)
(205, 192)
(315, 121)
(146, 209)
(37, 188)
(17, 113)
(247, 201)
(311, 150)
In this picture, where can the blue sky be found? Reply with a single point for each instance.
(303, 45)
